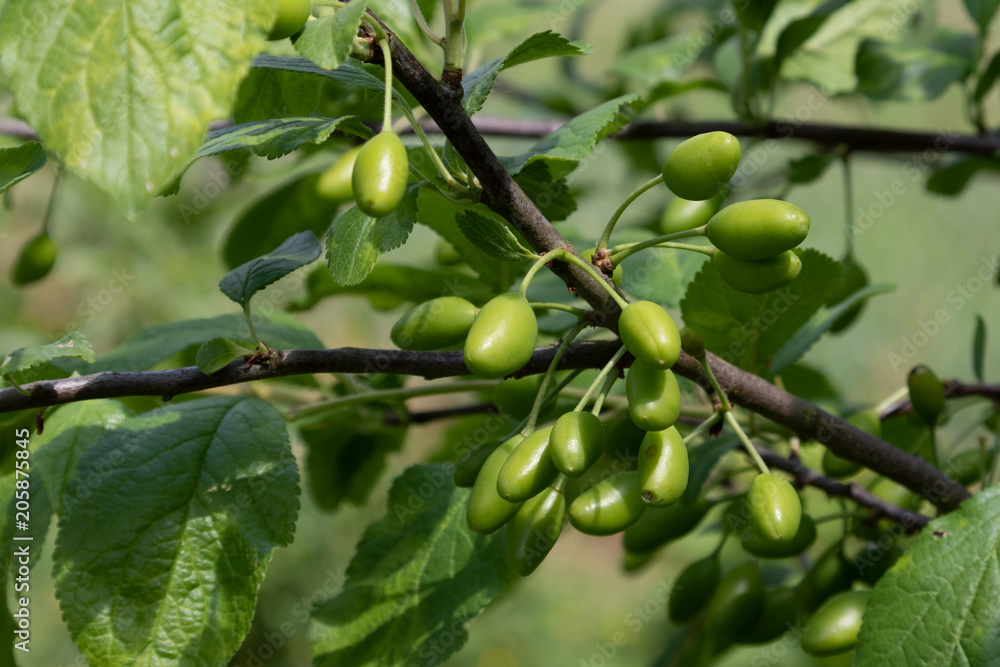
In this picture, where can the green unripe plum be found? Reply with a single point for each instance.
(533, 531)
(335, 183)
(804, 538)
(35, 261)
(467, 468)
(608, 507)
(650, 334)
(926, 394)
(758, 229)
(692, 343)
(632, 562)
(379, 175)
(487, 512)
(663, 467)
(693, 589)
(777, 616)
(738, 600)
(616, 275)
(528, 469)
(577, 441)
(835, 626)
(831, 574)
(516, 396)
(839, 468)
(855, 279)
(654, 399)
(445, 254)
(757, 276)
(700, 167)
(503, 336)
(682, 214)
(657, 527)
(291, 17)
(775, 509)
(891, 492)
(434, 325)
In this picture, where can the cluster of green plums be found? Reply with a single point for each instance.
(753, 239)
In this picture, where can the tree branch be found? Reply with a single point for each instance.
(809, 421)
(911, 521)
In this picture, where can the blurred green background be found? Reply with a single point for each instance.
(572, 610)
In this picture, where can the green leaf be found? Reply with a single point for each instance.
(441, 216)
(73, 344)
(575, 140)
(155, 344)
(988, 78)
(808, 168)
(275, 93)
(346, 456)
(263, 224)
(552, 196)
(19, 162)
(244, 281)
(280, 136)
(419, 575)
(124, 92)
(798, 32)
(979, 348)
(664, 61)
(907, 72)
(938, 604)
(754, 15)
(982, 12)
(951, 179)
(349, 74)
(391, 285)
(328, 41)
(702, 460)
(69, 432)
(160, 562)
(486, 23)
(492, 237)
(218, 353)
(749, 329)
(819, 324)
(478, 83)
(827, 58)
(356, 241)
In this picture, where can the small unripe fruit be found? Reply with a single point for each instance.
(533, 531)
(291, 17)
(577, 441)
(738, 600)
(757, 276)
(379, 175)
(650, 334)
(608, 507)
(36, 260)
(804, 538)
(663, 467)
(700, 167)
(692, 343)
(658, 526)
(487, 512)
(776, 617)
(503, 336)
(654, 399)
(682, 214)
(775, 509)
(835, 626)
(434, 325)
(467, 468)
(926, 394)
(335, 182)
(758, 229)
(693, 589)
(528, 469)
